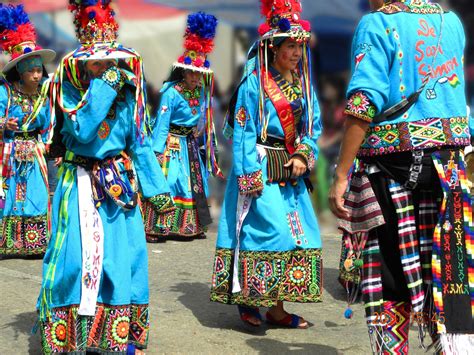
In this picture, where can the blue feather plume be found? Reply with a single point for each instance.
(202, 24)
(12, 16)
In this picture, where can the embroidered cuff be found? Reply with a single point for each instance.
(360, 107)
(252, 182)
(163, 203)
(114, 77)
(306, 152)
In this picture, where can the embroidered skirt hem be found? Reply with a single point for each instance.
(181, 222)
(266, 277)
(23, 236)
(108, 332)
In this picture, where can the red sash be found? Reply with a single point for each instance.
(284, 111)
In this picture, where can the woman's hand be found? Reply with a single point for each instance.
(12, 124)
(297, 165)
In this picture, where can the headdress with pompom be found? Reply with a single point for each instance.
(283, 19)
(198, 42)
(18, 37)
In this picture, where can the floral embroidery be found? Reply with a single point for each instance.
(305, 151)
(23, 235)
(114, 78)
(268, 277)
(163, 203)
(241, 116)
(411, 6)
(191, 96)
(252, 182)
(360, 107)
(110, 330)
(104, 130)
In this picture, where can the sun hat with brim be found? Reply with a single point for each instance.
(18, 37)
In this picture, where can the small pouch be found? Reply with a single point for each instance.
(276, 159)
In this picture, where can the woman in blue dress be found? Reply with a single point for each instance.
(269, 246)
(184, 123)
(25, 121)
(94, 295)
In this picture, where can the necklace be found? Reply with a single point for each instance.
(191, 96)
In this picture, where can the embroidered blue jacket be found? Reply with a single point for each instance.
(394, 49)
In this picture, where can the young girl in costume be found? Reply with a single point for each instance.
(24, 128)
(184, 121)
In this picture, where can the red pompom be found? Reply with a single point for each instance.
(24, 33)
(296, 6)
(306, 25)
(198, 62)
(181, 59)
(264, 28)
(195, 43)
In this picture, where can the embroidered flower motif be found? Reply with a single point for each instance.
(305, 151)
(360, 107)
(252, 182)
(104, 130)
(163, 203)
(59, 332)
(120, 329)
(241, 116)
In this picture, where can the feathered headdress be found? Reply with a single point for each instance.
(283, 19)
(198, 42)
(94, 21)
(18, 36)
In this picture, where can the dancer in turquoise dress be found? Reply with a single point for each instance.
(184, 120)
(24, 125)
(94, 294)
(269, 245)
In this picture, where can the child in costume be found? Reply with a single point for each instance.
(269, 245)
(94, 295)
(185, 116)
(24, 128)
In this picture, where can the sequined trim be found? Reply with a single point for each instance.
(423, 134)
(268, 277)
(252, 182)
(359, 106)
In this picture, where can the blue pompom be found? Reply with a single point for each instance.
(88, 2)
(202, 24)
(12, 16)
(207, 64)
(188, 61)
(91, 15)
(26, 50)
(348, 313)
(284, 25)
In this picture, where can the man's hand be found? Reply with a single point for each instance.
(336, 198)
(12, 124)
(297, 165)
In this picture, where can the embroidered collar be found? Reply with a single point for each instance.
(191, 96)
(411, 6)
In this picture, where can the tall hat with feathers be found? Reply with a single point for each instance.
(18, 37)
(283, 19)
(198, 42)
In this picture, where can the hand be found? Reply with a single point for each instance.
(58, 161)
(336, 198)
(298, 165)
(12, 124)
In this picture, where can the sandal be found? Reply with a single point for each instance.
(290, 321)
(246, 313)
